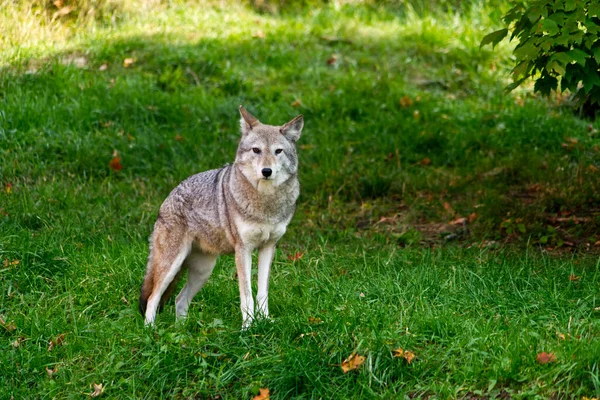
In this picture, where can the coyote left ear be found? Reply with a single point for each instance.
(293, 129)
(248, 121)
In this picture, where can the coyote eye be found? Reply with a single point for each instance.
(256, 150)
(278, 151)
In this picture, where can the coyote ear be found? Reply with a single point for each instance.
(247, 121)
(293, 129)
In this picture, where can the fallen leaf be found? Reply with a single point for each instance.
(58, 3)
(352, 362)
(16, 343)
(98, 389)
(8, 188)
(51, 372)
(574, 278)
(333, 59)
(115, 162)
(472, 217)
(296, 103)
(314, 320)
(361, 295)
(296, 256)
(128, 62)
(259, 34)
(56, 342)
(10, 326)
(425, 161)
(459, 221)
(178, 138)
(406, 102)
(263, 394)
(103, 67)
(561, 336)
(545, 358)
(409, 356)
(6, 263)
(125, 300)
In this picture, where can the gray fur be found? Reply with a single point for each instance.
(234, 209)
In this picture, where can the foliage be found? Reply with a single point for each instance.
(558, 42)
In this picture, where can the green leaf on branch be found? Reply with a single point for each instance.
(578, 55)
(590, 80)
(545, 84)
(494, 38)
(550, 26)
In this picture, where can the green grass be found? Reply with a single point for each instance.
(372, 218)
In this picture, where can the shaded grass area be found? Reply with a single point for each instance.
(407, 129)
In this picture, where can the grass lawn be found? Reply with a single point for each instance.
(407, 132)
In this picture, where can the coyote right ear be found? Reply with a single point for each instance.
(248, 121)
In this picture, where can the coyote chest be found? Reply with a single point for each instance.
(255, 234)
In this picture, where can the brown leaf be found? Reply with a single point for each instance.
(115, 162)
(545, 358)
(425, 161)
(458, 221)
(263, 394)
(98, 389)
(178, 138)
(296, 103)
(406, 102)
(296, 256)
(10, 326)
(314, 320)
(51, 372)
(352, 362)
(574, 278)
(472, 217)
(333, 59)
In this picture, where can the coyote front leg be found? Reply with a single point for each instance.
(265, 258)
(243, 264)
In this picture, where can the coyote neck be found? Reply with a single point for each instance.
(276, 204)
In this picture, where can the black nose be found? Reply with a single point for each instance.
(267, 172)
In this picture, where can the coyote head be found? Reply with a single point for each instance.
(267, 154)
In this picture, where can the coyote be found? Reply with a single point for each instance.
(241, 207)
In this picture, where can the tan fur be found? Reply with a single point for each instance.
(238, 208)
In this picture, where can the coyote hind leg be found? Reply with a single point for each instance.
(169, 248)
(200, 267)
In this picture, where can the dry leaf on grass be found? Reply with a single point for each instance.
(409, 356)
(296, 256)
(406, 102)
(545, 358)
(98, 389)
(51, 372)
(115, 162)
(352, 362)
(263, 394)
(56, 342)
(574, 278)
(128, 62)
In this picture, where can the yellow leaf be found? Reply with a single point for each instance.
(352, 362)
(128, 62)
